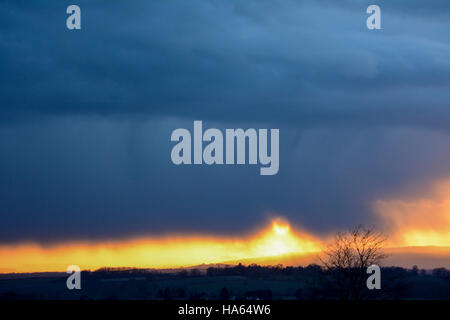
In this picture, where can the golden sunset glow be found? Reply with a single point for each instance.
(163, 252)
(422, 221)
(422, 224)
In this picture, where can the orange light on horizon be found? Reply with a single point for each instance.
(417, 237)
(162, 252)
(411, 222)
(418, 221)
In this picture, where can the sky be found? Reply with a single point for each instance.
(86, 116)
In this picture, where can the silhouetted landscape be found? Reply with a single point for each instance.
(238, 282)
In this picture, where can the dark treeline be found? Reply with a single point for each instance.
(255, 270)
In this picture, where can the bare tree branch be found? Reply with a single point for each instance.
(348, 257)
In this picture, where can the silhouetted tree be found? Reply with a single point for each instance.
(348, 257)
(415, 270)
(441, 272)
(183, 273)
(195, 273)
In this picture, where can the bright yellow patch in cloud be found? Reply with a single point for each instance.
(162, 252)
(423, 221)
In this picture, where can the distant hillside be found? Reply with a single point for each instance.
(406, 257)
(423, 257)
(285, 260)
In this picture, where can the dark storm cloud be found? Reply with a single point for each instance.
(293, 60)
(86, 116)
(91, 178)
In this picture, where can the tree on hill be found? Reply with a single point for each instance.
(349, 255)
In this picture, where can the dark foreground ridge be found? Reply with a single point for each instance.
(239, 282)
